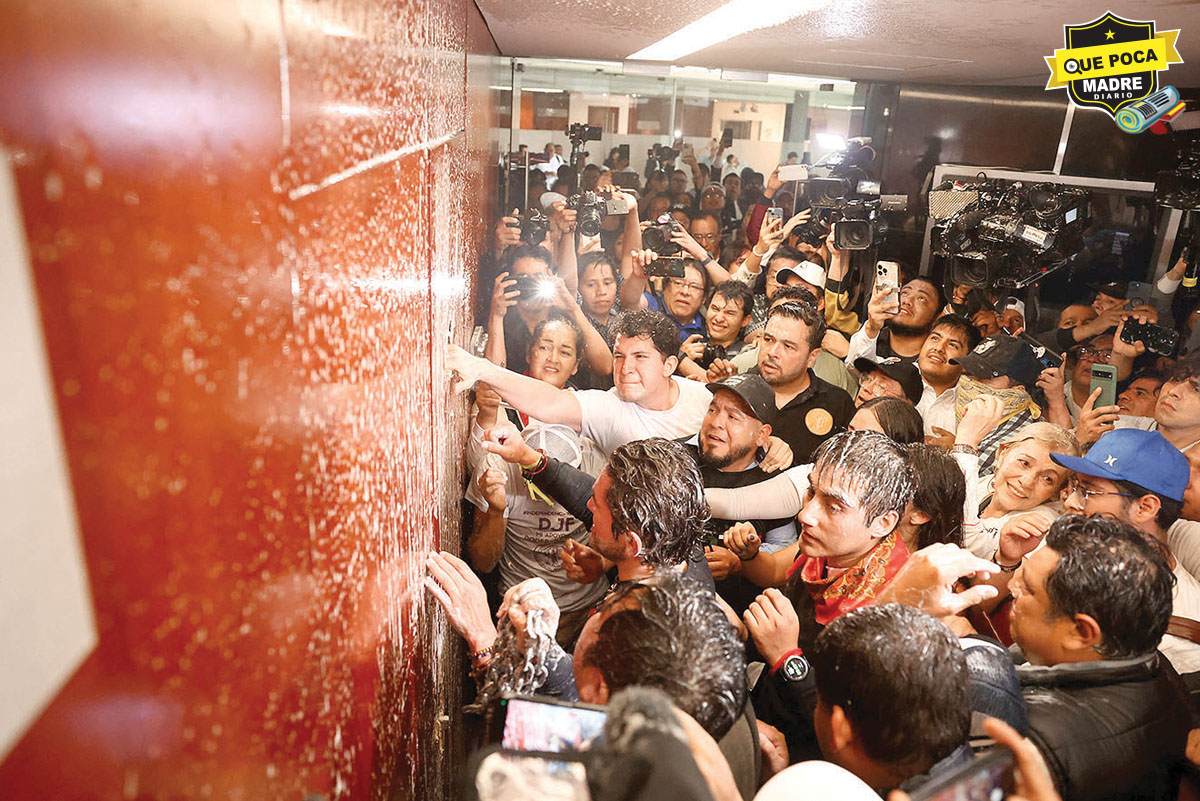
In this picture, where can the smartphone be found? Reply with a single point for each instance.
(887, 273)
(1045, 356)
(536, 723)
(988, 778)
(1157, 338)
(623, 150)
(501, 775)
(1105, 377)
(793, 172)
(687, 151)
(667, 267)
(1138, 293)
(776, 212)
(727, 137)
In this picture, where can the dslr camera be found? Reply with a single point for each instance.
(534, 225)
(657, 237)
(590, 211)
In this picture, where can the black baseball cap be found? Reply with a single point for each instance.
(897, 369)
(999, 355)
(754, 390)
(1114, 289)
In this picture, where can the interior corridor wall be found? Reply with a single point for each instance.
(250, 228)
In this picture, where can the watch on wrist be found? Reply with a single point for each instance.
(794, 667)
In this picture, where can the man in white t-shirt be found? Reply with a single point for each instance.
(1139, 478)
(646, 400)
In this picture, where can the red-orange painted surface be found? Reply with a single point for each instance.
(252, 224)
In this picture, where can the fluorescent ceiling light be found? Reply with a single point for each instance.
(732, 19)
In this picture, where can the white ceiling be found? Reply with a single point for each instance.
(905, 41)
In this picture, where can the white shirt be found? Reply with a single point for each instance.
(938, 410)
(1183, 654)
(612, 422)
(552, 165)
(1183, 538)
(862, 346)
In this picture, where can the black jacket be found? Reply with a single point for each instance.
(1109, 729)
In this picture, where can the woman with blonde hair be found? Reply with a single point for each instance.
(1026, 487)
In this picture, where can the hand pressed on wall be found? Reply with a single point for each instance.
(462, 596)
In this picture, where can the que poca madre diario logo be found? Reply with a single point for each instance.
(1113, 64)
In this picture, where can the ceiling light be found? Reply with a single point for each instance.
(732, 19)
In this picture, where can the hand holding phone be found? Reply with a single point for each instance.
(887, 274)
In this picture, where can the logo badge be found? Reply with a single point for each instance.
(1111, 63)
(819, 421)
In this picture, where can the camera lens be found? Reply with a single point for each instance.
(968, 271)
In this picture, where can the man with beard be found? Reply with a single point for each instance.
(809, 410)
(736, 426)
(897, 330)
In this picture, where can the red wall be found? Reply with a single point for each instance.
(252, 224)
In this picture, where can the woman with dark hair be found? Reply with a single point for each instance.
(894, 417)
(936, 511)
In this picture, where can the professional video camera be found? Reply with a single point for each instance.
(1007, 235)
(841, 175)
(1180, 188)
(590, 211)
(840, 191)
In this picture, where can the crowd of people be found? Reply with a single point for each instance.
(852, 547)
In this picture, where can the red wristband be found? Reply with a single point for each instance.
(782, 659)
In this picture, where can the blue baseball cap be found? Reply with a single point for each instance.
(1140, 457)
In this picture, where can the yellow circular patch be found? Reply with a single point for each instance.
(819, 421)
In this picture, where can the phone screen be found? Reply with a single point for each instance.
(988, 778)
(540, 726)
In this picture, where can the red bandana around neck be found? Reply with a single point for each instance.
(855, 586)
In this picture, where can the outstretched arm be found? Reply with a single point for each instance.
(528, 395)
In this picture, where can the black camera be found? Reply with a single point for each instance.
(1012, 235)
(657, 237)
(590, 211)
(841, 176)
(582, 132)
(533, 287)
(860, 224)
(534, 227)
(661, 158)
(816, 229)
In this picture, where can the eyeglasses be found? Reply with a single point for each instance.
(706, 237)
(1076, 488)
(1101, 356)
(679, 283)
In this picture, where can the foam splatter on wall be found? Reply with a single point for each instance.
(252, 228)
